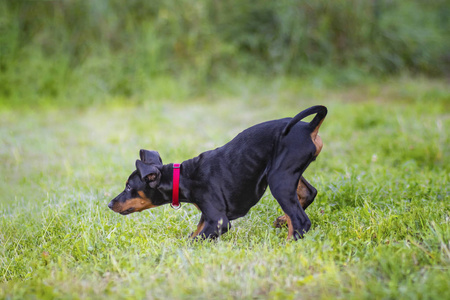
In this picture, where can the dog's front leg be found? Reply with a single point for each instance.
(214, 228)
(200, 226)
(214, 221)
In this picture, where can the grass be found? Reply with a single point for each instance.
(380, 221)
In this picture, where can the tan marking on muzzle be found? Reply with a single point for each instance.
(139, 203)
(317, 140)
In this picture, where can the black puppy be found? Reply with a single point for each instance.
(226, 182)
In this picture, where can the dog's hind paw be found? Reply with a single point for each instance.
(280, 222)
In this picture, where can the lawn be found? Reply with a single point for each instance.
(380, 222)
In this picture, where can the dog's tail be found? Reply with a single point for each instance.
(319, 110)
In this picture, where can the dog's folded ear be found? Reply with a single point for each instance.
(150, 173)
(150, 157)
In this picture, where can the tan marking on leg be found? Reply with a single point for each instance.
(290, 228)
(200, 226)
(302, 194)
(280, 222)
(317, 140)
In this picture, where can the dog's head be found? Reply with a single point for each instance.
(141, 187)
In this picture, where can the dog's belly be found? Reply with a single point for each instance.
(244, 197)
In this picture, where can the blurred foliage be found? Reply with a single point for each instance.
(82, 50)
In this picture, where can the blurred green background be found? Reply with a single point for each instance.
(80, 53)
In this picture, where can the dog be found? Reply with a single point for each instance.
(226, 182)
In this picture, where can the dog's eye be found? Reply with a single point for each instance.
(128, 188)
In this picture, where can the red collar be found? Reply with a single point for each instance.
(176, 186)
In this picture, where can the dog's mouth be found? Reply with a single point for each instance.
(127, 212)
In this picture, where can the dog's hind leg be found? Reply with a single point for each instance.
(306, 194)
(296, 218)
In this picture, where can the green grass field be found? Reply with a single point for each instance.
(380, 223)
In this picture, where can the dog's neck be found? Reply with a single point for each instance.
(166, 186)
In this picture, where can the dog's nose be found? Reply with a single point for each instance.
(110, 205)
